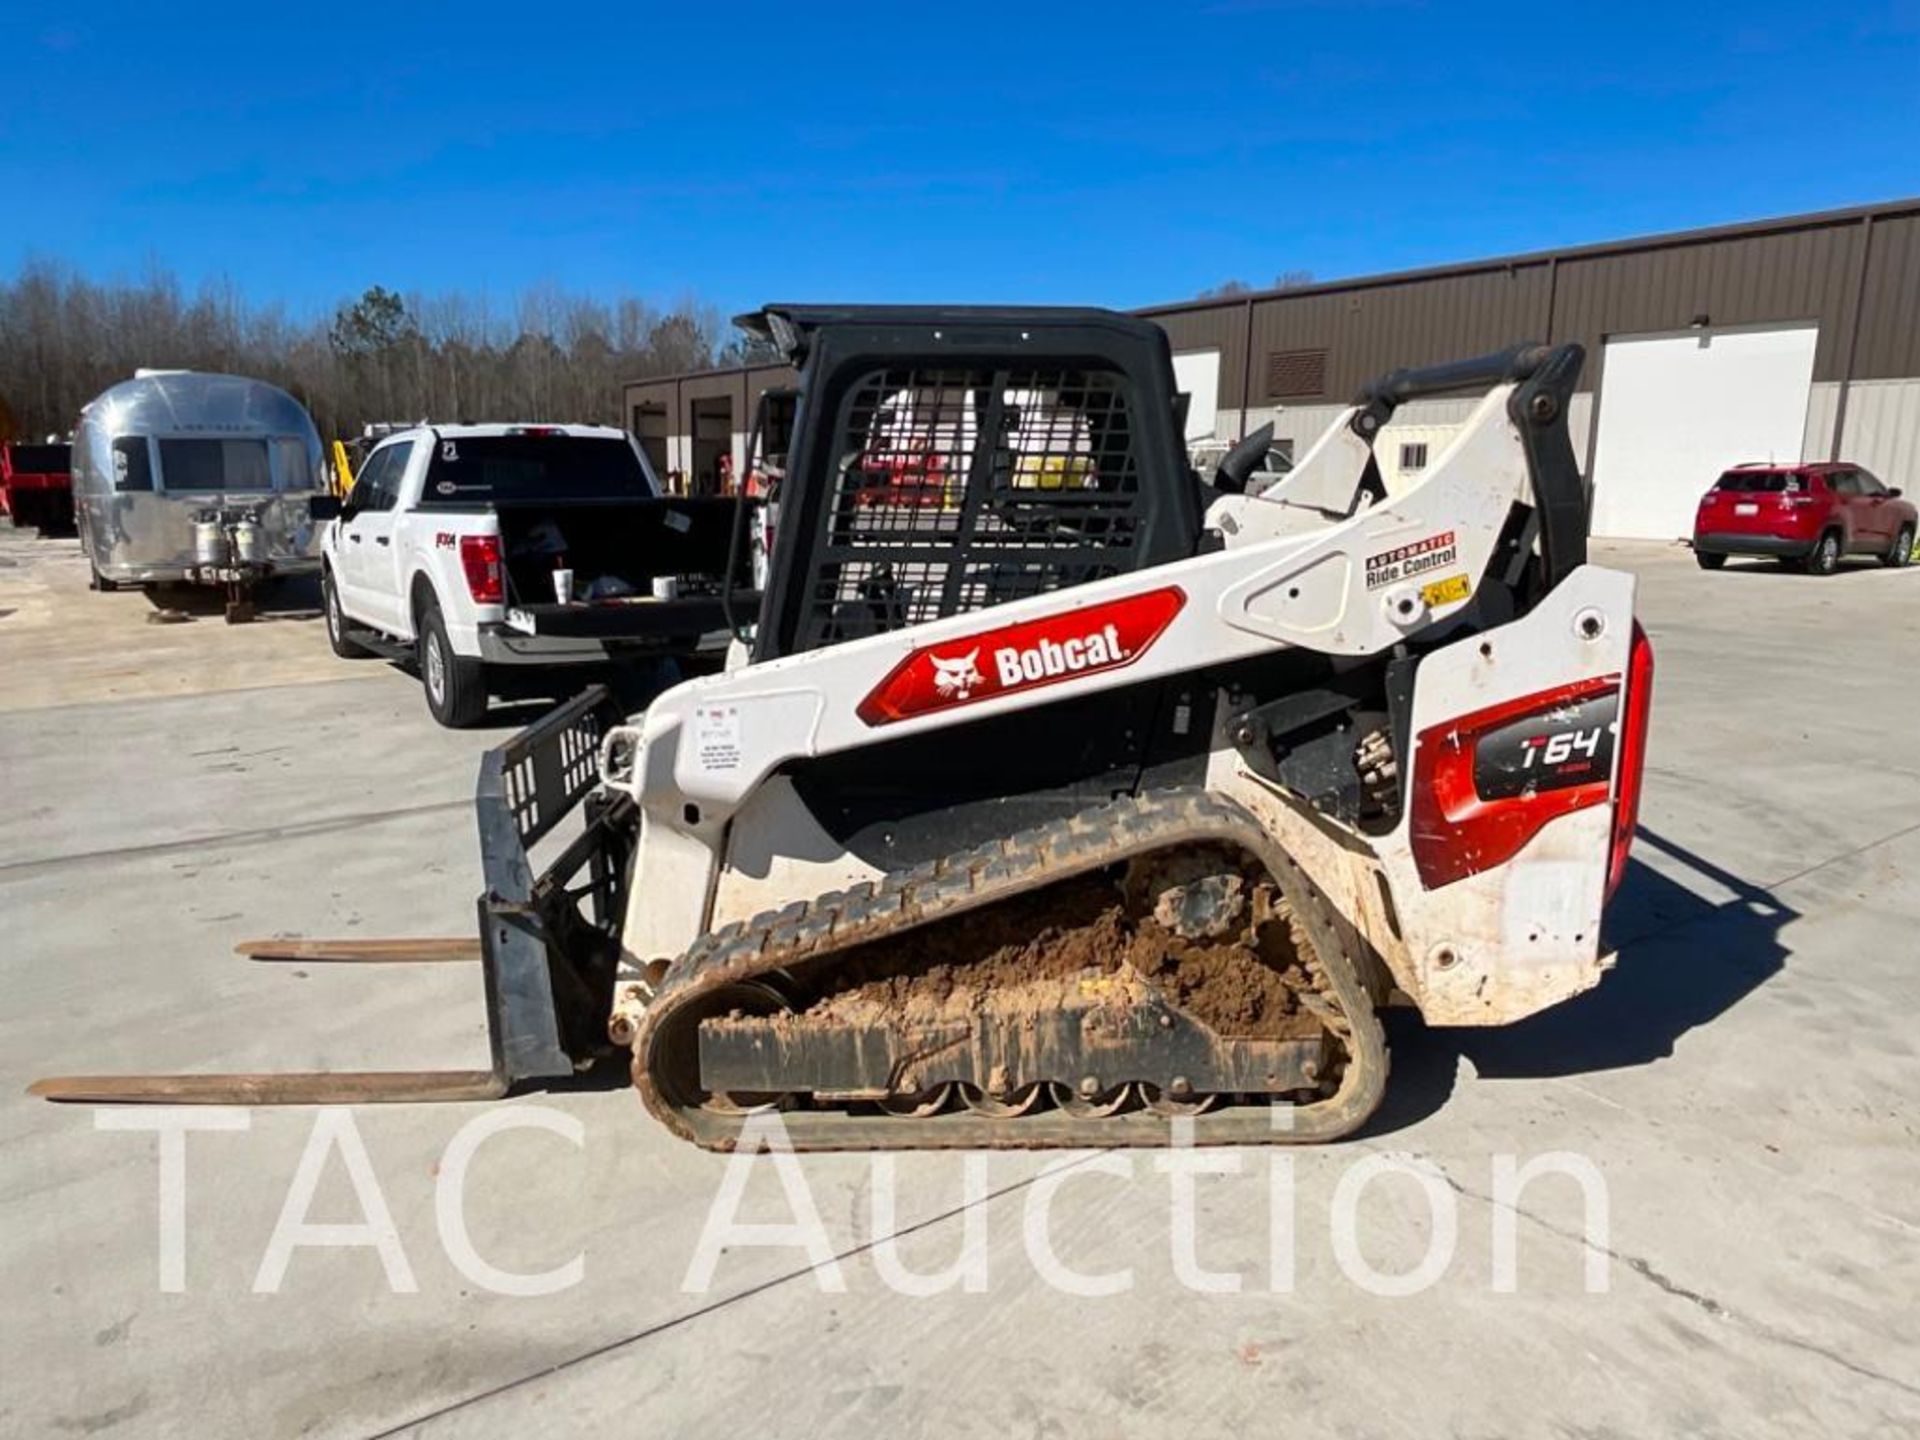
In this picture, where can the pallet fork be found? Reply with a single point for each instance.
(547, 963)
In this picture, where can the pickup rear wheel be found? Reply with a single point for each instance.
(456, 685)
(343, 643)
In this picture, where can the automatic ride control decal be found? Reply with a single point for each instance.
(1026, 656)
(1404, 562)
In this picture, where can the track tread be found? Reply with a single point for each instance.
(998, 870)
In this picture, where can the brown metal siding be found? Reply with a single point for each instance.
(650, 392)
(1890, 304)
(1223, 328)
(1367, 332)
(714, 385)
(1753, 279)
(1806, 268)
(774, 377)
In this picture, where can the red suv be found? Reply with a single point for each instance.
(1810, 513)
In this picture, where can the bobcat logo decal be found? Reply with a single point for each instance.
(956, 679)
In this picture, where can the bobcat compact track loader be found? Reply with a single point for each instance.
(1058, 790)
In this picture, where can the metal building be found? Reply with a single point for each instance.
(1795, 338)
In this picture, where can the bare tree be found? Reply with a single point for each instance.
(381, 356)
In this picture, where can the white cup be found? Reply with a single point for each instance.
(563, 587)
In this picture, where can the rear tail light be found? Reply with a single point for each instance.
(1485, 784)
(1633, 755)
(480, 558)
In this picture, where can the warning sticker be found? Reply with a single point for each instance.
(1445, 591)
(1403, 562)
(716, 737)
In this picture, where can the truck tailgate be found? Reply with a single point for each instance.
(637, 618)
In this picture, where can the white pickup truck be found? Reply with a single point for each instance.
(489, 549)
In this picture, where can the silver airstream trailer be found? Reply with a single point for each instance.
(209, 479)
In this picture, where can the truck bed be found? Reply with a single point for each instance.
(641, 618)
(626, 545)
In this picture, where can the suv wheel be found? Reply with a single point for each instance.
(1825, 558)
(1707, 561)
(343, 643)
(1901, 555)
(456, 685)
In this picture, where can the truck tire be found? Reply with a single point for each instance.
(97, 581)
(456, 685)
(1901, 555)
(338, 637)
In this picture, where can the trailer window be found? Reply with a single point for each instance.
(132, 465)
(482, 469)
(215, 465)
(292, 464)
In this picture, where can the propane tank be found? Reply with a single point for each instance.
(249, 542)
(209, 542)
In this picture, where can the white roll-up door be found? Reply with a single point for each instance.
(1677, 409)
(1197, 373)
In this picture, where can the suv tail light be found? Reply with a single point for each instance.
(1633, 754)
(480, 558)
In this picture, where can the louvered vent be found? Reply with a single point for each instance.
(1296, 374)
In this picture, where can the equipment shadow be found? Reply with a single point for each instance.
(1683, 961)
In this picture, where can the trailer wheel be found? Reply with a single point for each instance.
(456, 685)
(343, 644)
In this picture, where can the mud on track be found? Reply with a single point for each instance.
(1079, 941)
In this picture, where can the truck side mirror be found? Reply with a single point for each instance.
(324, 507)
(1894, 493)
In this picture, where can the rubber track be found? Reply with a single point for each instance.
(808, 930)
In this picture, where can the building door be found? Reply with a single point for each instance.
(650, 429)
(1196, 374)
(712, 445)
(1677, 409)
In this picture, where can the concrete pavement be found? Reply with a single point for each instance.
(1745, 1087)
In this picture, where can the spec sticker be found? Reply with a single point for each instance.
(450, 451)
(677, 520)
(1445, 591)
(716, 737)
(1403, 562)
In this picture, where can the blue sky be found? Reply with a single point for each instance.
(1103, 153)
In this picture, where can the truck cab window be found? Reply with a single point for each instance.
(366, 483)
(132, 465)
(395, 471)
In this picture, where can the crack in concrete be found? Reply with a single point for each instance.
(227, 839)
(1645, 1269)
(673, 1322)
